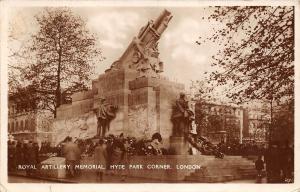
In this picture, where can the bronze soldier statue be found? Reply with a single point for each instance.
(182, 116)
(105, 113)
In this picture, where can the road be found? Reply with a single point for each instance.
(21, 179)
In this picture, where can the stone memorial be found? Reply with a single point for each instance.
(143, 97)
(134, 98)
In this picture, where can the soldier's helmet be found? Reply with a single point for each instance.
(102, 99)
(182, 94)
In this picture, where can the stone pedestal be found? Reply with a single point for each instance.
(179, 145)
(142, 107)
(150, 107)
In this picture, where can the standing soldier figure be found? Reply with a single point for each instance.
(105, 113)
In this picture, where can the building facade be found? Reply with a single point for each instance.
(29, 125)
(233, 123)
(259, 121)
(220, 122)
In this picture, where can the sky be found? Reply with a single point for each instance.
(184, 60)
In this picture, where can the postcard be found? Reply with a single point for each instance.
(173, 95)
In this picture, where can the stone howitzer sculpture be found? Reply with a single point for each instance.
(142, 54)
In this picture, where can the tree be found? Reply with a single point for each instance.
(202, 94)
(257, 57)
(201, 91)
(62, 54)
(282, 127)
(215, 122)
(25, 98)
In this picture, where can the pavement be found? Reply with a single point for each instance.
(264, 180)
(21, 177)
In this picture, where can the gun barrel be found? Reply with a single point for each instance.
(161, 23)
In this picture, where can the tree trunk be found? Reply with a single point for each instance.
(58, 89)
(271, 121)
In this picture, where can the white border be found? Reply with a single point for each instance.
(6, 5)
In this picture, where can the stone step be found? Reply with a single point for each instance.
(233, 157)
(233, 160)
(248, 176)
(210, 179)
(247, 171)
(220, 172)
(247, 168)
(245, 165)
(227, 165)
(251, 157)
(230, 163)
(204, 179)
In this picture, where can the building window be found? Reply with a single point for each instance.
(17, 126)
(13, 126)
(23, 125)
(32, 125)
(20, 125)
(26, 125)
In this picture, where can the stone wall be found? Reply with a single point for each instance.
(150, 106)
(142, 112)
(144, 106)
(82, 126)
(113, 85)
(78, 107)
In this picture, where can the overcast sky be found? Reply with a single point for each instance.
(183, 59)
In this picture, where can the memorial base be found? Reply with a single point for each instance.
(179, 146)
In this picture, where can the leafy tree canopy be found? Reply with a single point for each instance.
(61, 55)
(257, 57)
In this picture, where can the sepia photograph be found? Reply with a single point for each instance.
(154, 93)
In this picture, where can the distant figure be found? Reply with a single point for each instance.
(19, 156)
(118, 153)
(286, 157)
(109, 150)
(100, 158)
(11, 155)
(36, 151)
(272, 158)
(72, 154)
(31, 157)
(156, 143)
(259, 165)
